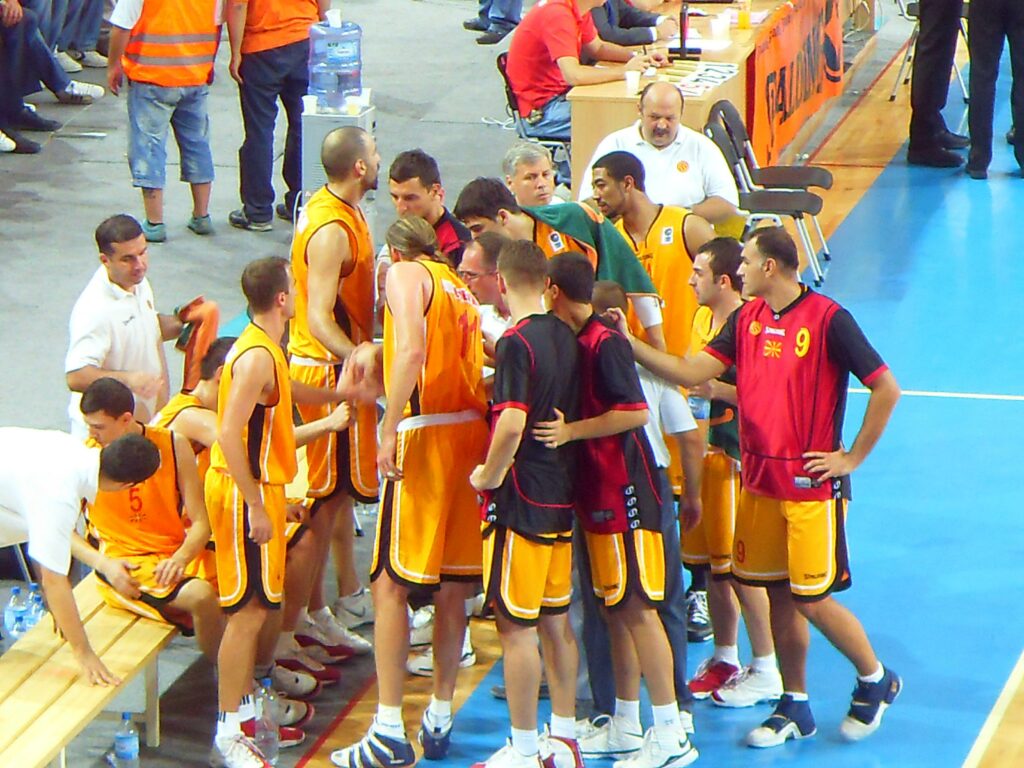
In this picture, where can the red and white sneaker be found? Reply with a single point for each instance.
(293, 684)
(237, 752)
(559, 752)
(328, 633)
(298, 660)
(711, 675)
(287, 735)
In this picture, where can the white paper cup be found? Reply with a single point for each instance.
(632, 81)
(720, 25)
(309, 104)
(334, 17)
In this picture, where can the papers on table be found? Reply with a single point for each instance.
(695, 78)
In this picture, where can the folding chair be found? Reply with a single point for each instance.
(761, 204)
(773, 177)
(560, 148)
(912, 12)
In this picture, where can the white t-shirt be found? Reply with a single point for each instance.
(116, 330)
(669, 413)
(686, 172)
(44, 475)
(492, 324)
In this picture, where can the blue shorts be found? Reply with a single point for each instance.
(151, 109)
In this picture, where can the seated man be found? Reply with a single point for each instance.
(544, 63)
(530, 173)
(683, 167)
(617, 21)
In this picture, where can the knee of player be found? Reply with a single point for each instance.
(813, 610)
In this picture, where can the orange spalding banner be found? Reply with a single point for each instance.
(796, 65)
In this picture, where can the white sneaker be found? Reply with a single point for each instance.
(354, 610)
(686, 722)
(475, 605)
(672, 752)
(93, 60)
(6, 143)
(604, 737)
(293, 683)
(507, 757)
(238, 752)
(421, 626)
(334, 636)
(557, 752)
(67, 63)
(750, 687)
(422, 664)
(80, 93)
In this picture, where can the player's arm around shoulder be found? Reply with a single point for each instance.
(191, 491)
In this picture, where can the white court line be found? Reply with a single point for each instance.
(995, 717)
(949, 395)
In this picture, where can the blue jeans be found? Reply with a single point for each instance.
(81, 26)
(51, 14)
(555, 122)
(29, 59)
(278, 73)
(151, 110)
(671, 611)
(500, 15)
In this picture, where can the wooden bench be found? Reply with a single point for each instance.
(44, 704)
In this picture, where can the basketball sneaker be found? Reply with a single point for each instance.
(332, 636)
(354, 610)
(698, 618)
(605, 736)
(421, 626)
(237, 752)
(751, 686)
(294, 684)
(507, 757)
(375, 750)
(435, 739)
(790, 720)
(297, 660)
(559, 752)
(870, 700)
(422, 664)
(670, 749)
(711, 675)
(288, 736)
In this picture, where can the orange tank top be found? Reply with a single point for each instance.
(269, 437)
(353, 309)
(451, 378)
(166, 416)
(145, 519)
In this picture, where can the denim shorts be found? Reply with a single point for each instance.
(151, 109)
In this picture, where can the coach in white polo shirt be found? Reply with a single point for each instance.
(115, 329)
(44, 477)
(683, 167)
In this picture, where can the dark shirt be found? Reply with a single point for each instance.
(619, 22)
(452, 236)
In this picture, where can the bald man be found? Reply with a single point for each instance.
(683, 167)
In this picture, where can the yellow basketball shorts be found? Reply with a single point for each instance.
(525, 576)
(624, 564)
(711, 541)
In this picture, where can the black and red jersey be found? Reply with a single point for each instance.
(793, 369)
(452, 236)
(617, 484)
(535, 371)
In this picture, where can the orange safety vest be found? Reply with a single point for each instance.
(173, 44)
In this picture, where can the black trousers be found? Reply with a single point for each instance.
(933, 61)
(992, 21)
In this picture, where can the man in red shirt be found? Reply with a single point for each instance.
(794, 351)
(544, 62)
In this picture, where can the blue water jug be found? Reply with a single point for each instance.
(335, 64)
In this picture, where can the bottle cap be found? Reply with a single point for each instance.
(15, 591)
(265, 682)
(126, 716)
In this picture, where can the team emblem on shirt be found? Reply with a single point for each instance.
(754, 328)
(682, 166)
(557, 244)
(667, 235)
(773, 349)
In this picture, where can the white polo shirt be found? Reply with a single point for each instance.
(44, 476)
(116, 330)
(669, 413)
(686, 172)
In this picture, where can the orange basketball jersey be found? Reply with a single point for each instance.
(146, 518)
(451, 378)
(167, 415)
(269, 437)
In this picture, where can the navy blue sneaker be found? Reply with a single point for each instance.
(375, 750)
(434, 739)
(790, 720)
(870, 700)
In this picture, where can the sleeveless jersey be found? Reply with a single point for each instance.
(269, 437)
(167, 415)
(553, 242)
(666, 259)
(451, 378)
(724, 431)
(145, 519)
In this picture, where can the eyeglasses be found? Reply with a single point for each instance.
(467, 277)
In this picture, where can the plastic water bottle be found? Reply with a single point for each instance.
(267, 736)
(18, 629)
(126, 743)
(36, 611)
(16, 607)
(335, 63)
(700, 407)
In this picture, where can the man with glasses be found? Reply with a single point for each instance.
(479, 271)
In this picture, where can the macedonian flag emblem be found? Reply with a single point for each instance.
(773, 349)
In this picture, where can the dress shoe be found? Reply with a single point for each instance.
(492, 36)
(27, 120)
(951, 140)
(475, 25)
(1011, 135)
(934, 157)
(977, 173)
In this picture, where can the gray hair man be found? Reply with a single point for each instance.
(530, 173)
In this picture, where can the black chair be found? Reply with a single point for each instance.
(912, 12)
(560, 149)
(772, 205)
(774, 177)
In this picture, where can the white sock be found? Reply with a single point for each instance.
(439, 711)
(389, 721)
(730, 654)
(764, 663)
(228, 724)
(666, 714)
(628, 713)
(874, 677)
(525, 743)
(797, 696)
(563, 727)
(247, 709)
(285, 645)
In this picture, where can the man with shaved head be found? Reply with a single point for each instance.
(684, 168)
